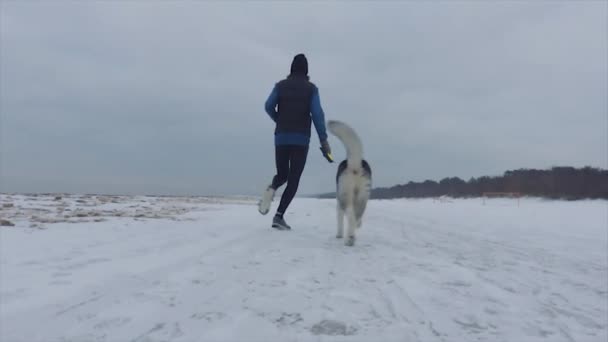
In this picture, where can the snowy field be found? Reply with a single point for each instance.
(144, 269)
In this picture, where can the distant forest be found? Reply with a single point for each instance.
(557, 183)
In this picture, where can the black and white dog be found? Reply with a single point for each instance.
(353, 181)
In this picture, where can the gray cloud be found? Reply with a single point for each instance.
(167, 97)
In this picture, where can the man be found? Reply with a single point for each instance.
(293, 105)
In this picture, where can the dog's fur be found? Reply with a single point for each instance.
(353, 181)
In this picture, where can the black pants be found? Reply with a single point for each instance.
(290, 161)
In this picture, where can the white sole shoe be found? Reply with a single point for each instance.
(264, 203)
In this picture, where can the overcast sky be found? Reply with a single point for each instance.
(168, 96)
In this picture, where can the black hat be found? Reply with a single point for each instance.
(299, 65)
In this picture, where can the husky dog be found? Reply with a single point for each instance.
(353, 181)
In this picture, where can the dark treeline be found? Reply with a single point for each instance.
(557, 182)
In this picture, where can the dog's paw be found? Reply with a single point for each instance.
(350, 241)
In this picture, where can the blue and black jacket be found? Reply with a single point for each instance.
(294, 104)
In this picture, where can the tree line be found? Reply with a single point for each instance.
(558, 183)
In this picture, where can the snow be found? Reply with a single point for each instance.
(95, 268)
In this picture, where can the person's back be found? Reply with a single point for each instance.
(293, 105)
(295, 94)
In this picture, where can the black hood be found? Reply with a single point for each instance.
(299, 65)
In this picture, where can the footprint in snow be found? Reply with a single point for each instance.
(457, 283)
(332, 328)
(112, 323)
(288, 319)
(209, 316)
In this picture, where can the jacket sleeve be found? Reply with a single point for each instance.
(318, 116)
(271, 104)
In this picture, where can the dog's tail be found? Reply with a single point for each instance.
(351, 141)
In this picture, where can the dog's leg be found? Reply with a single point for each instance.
(359, 209)
(352, 226)
(340, 232)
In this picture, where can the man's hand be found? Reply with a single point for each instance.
(326, 150)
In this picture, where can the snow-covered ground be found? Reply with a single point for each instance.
(197, 269)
